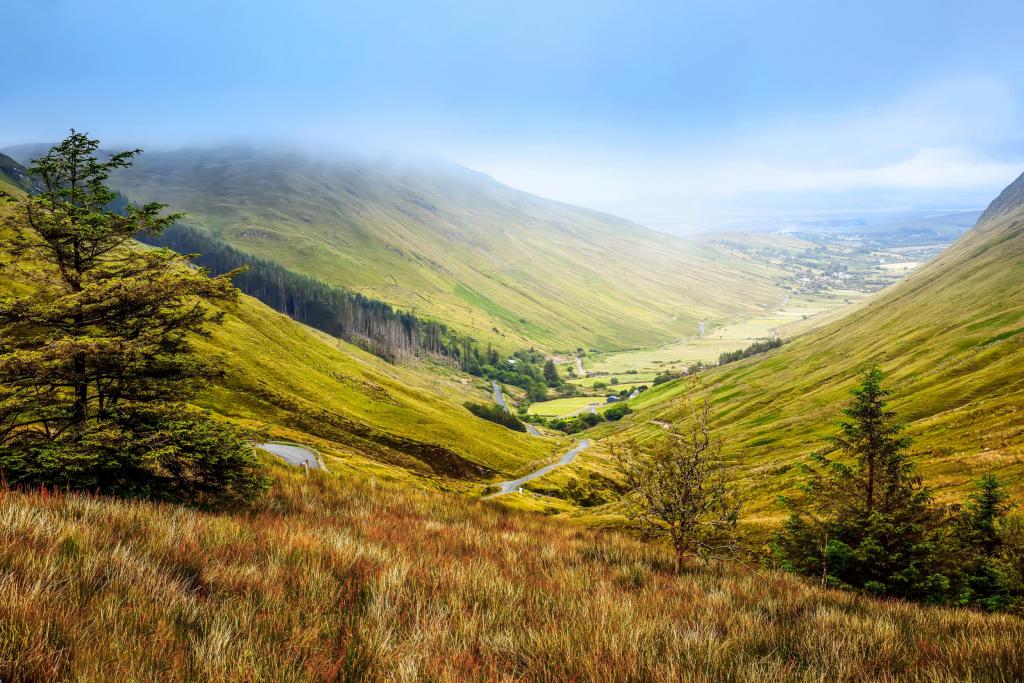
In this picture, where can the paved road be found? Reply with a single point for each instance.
(510, 486)
(579, 367)
(293, 455)
(499, 398)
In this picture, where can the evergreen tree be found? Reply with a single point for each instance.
(369, 323)
(976, 544)
(96, 361)
(551, 375)
(537, 390)
(865, 519)
(986, 507)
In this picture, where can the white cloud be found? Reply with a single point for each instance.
(940, 137)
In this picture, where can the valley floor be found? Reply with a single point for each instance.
(799, 313)
(345, 579)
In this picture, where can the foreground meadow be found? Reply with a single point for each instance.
(345, 580)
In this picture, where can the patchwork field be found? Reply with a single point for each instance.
(624, 380)
(561, 407)
(721, 337)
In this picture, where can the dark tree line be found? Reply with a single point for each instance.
(369, 323)
(757, 347)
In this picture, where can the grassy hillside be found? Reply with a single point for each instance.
(950, 338)
(402, 422)
(13, 177)
(1009, 199)
(505, 265)
(345, 580)
(358, 406)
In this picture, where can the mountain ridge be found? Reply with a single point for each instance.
(1010, 198)
(454, 244)
(950, 338)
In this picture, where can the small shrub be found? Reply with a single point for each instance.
(496, 414)
(632, 576)
(617, 412)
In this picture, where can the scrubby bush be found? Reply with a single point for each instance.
(617, 412)
(667, 376)
(496, 414)
(576, 424)
(588, 492)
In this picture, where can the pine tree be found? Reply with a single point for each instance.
(96, 360)
(976, 544)
(551, 375)
(865, 520)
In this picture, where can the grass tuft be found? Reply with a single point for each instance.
(343, 580)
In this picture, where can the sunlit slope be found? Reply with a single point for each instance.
(358, 406)
(950, 338)
(397, 422)
(454, 244)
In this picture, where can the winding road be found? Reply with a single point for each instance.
(507, 487)
(499, 398)
(579, 367)
(292, 454)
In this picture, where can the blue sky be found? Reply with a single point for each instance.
(666, 112)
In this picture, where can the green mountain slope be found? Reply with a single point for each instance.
(950, 338)
(13, 176)
(504, 265)
(317, 389)
(1009, 199)
(397, 422)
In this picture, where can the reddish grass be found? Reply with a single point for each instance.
(343, 580)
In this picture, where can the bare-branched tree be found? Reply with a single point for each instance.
(678, 488)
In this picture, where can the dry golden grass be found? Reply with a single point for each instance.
(344, 580)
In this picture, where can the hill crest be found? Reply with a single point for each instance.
(453, 244)
(1012, 197)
